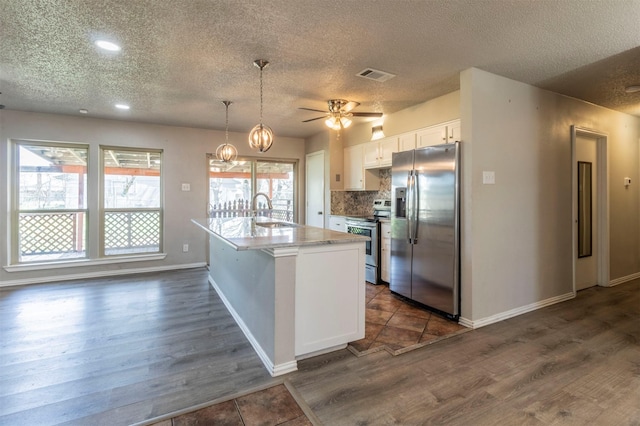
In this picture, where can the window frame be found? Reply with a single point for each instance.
(16, 211)
(102, 210)
(254, 178)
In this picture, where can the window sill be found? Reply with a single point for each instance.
(23, 267)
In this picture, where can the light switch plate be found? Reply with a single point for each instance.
(186, 187)
(489, 178)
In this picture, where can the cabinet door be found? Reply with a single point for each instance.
(337, 223)
(435, 135)
(387, 147)
(353, 169)
(385, 247)
(407, 142)
(453, 132)
(371, 154)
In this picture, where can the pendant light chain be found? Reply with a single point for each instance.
(226, 124)
(261, 95)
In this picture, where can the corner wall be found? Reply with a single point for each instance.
(517, 234)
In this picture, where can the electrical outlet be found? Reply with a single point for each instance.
(185, 248)
(186, 187)
(489, 178)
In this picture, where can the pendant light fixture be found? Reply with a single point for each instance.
(261, 136)
(226, 152)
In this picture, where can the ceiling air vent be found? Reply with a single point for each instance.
(376, 75)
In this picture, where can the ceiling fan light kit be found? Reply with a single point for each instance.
(226, 152)
(337, 122)
(261, 136)
(338, 116)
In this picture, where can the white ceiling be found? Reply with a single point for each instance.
(181, 58)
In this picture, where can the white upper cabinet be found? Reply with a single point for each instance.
(407, 141)
(356, 177)
(377, 154)
(436, 135)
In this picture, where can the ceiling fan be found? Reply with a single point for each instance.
(339, 114)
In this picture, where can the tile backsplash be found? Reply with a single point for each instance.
(360, 203)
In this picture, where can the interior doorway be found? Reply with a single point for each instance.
(590, 208)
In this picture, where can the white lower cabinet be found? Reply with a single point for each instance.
(385, 249)
(337, 223)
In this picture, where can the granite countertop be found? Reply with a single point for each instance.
(243, 233)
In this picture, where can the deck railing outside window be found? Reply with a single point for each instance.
(282, 209)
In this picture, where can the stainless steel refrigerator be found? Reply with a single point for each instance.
(425, 231)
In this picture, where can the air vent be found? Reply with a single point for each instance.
(376, 75)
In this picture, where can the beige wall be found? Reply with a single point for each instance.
(185, 152)
(517, 234)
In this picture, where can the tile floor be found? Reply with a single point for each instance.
(395, 325)
(268, 407)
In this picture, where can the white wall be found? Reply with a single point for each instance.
(185, 152)
(517, 234)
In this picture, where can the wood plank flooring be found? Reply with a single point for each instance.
(118, 350)
(124, 350)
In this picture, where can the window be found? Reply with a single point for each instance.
(51, 202)
(232, 185)
(131, 201)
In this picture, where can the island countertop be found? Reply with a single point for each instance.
(246, 233)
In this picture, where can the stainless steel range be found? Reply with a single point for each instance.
(370, 226)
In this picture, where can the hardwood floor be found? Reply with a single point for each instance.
(130, 349)
(119, 350)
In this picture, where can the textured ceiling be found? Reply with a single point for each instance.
(181, 58)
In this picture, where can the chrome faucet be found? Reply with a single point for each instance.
(254, 204)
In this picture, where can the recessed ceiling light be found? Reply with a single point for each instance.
(83, 111)
(632, 89)
(122, 106)
(107, 45)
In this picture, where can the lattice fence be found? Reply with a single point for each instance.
(50, 233)
(127, 232)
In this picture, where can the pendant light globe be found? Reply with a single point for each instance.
(261, 136)
(226, 153)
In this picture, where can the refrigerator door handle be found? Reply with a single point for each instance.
(416, 207)
(410, 206)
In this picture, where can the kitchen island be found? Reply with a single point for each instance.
(295, 291)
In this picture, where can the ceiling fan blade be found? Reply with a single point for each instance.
(311, 109)
(350, 105)
(367, 114)
(313, 119)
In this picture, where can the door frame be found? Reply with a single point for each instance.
(602, 207)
